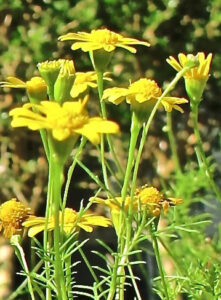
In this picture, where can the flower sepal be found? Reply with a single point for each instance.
(142, 110)
(100, 59)
(64, 82)
(195, 89)
(62, 149)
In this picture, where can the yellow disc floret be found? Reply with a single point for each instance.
(12, 214)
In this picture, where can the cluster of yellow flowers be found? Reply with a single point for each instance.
(64, 116)
(14, 215)
(145, 198)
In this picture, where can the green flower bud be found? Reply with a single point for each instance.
(64, 81)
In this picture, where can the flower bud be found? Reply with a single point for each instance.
(64, 82)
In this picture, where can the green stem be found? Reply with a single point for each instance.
(46, 242)
(57, 169)
(157, 255)
(123, 249)
(100, 85)
(205, 164)
(21, 256)
(45, 142)
(173, 143)
(103, 111)
(71, 170)
(68, 277)
(135, 129)
(18, 291)
(90, 269)
(94, 177)
(150, 119)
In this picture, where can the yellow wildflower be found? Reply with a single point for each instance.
(200, 72)
(68, 119)
(101, 39)
(70, 221)
(53, 67)
(12, 214)
(13, 82)
(35, 87)
(195, 78)
(83, 80)
(142, 91)
(148, 198)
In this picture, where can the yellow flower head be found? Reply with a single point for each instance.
(34, 84)
(36, 87)
(71, 221)
(83, 80)
(145, 198)
(101, 39)
(200, 72)
(195, 78)
(12, 214)
(68, 119)
(142, 91)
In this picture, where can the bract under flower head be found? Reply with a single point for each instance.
(71, 221)
(64, 81)
(101, 39)
(142, 91)
(12, 214)
(68, 119)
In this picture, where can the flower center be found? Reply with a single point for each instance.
(66, 119)
(145, 87)
(149, 195)
(105, 36)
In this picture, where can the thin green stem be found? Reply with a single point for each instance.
(46, 243)
(103, 111)
(173, 143)
(68, 277)
(21, 256)
(93, 274)
(100, 85)
(119, 270)
(94, 177)
(71, 170)
(45, 142)
(17, 292)
(57, 168)
(134, 283)
(149, 121)
(135, 129)
(158, 259)
(205, 164)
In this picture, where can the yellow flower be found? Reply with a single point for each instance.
(68, 119)
(142, 91)
(83, 80)
(200, 72)
(71, 222)
(12, 214)
(101, 39)
(145, 198)
(195, 78)
(13, 82)
(35, 87)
